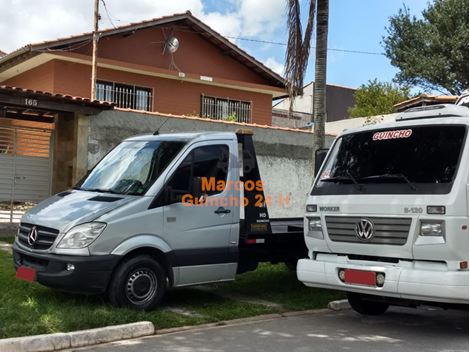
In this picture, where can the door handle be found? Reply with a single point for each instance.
(222, 210)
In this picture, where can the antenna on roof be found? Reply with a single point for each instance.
(171, 45)
(157, 132)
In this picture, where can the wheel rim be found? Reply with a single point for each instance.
(141, 286)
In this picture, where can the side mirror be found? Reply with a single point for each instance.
(320, 156)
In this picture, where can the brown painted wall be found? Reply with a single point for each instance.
(170, 96)
(195, 53)
(39, 78)
(72, 78)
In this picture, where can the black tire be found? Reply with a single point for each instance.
(364, 306)
(139, 282)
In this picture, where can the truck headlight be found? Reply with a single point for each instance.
(314, 227)
(81, 236)
(311, 208)
(432, 228)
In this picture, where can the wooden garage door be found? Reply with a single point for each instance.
(25, 169)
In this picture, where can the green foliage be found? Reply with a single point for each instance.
(431, 52)
(377, 98)
(232, 117)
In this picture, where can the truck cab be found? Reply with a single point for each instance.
(387, 216)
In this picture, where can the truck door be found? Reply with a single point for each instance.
(200, 234)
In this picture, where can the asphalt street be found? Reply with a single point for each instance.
(400, 329)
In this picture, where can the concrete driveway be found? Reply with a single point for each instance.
(399, 329)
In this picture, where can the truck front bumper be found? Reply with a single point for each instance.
(420, 281)
(91, 274)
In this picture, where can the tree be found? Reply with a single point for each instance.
(298, 49)
(377, 98)
(297, 54)
(431, 52)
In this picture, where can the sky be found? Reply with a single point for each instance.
(353, 25)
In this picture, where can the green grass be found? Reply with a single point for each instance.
(30, 309)
(277, 284)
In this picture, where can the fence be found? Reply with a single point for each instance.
(25, 170)
(225, 109)
(125, 96)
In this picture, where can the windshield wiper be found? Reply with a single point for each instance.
(358, 186)
(391, 176)
(343, 179)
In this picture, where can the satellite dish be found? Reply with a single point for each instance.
(172, 44)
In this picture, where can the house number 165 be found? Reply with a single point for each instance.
(30, 102)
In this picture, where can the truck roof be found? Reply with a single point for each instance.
(425, 115)
(185, 137)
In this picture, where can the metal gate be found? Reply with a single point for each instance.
(25, 170)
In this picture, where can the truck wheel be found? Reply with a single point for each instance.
(139, 283)
(363, 306)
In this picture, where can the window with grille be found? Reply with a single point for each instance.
(225, 109)
(125, 95)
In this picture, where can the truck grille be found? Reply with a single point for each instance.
(45, 236)
(391, 231)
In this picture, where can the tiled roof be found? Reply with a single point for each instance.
(2, 53)
(53, 96)
(426, 99)
(197, 25)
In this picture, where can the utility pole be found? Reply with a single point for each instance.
(95, 50)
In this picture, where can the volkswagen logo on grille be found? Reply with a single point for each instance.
(364, 230)
(33, 236)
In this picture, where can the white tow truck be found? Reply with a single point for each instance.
(387, 216)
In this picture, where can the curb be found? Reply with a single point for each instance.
(219, 324)
(84, 338)
(60, 341)
(342, 304)
(240, 321)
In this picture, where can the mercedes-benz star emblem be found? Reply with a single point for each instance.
(364, 230)
(33, 236)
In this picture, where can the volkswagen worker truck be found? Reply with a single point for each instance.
(387, 216)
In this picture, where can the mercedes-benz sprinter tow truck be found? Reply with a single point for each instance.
(387, 216)
(158, 211)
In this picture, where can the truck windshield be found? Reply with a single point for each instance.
(131, 167)
(403, 160)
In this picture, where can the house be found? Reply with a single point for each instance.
(49, 141)
(172, 65)
(338, 100)
(2, 53)
(423, 100)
